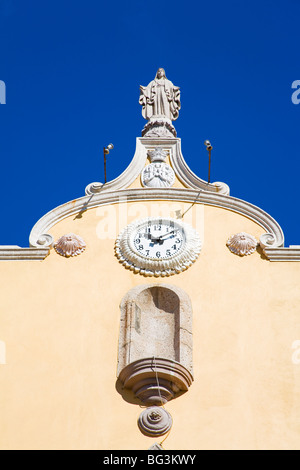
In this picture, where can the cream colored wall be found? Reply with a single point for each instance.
(60, 322)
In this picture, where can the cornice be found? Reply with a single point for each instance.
(272, 238)
(41, 241)
(16, 253)
(291, 253)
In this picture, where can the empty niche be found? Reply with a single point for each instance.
(155, 343)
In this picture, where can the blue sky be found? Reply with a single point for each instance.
(72, 71)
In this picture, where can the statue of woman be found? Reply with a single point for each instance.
(160, 98)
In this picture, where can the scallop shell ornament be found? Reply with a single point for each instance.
(242, 244)
(69, 245)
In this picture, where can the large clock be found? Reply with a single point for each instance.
(158, 246)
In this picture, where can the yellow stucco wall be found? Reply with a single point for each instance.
(60, 322)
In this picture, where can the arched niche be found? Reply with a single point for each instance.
(155, 342)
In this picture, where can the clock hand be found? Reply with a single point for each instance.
(162, 237)
(150, 237)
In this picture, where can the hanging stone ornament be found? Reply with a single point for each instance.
(242, 244)
(157, 174)
(69, 245)
(155, 421)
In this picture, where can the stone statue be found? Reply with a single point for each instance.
(160, 98)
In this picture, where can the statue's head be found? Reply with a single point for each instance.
(160, 73)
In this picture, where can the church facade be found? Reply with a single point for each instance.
(156, 311)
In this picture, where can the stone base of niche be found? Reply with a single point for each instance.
(155, 380)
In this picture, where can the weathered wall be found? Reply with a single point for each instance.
(60, 323)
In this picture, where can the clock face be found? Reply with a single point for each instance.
(158, 246)
(158, 239)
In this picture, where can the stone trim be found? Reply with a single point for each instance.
(272, 238)
(16, 253)
(156, 380)
(173, 147)
(283, 254)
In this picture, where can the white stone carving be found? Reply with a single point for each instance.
(69, 245)
(180, 167)
(133, 260)
(160, 98)
(93, 188)
(159, 127)
(157, 174)
(157, 155)
(242, 244)
(45, 240)
(155, 421)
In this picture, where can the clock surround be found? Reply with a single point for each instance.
(158, 246)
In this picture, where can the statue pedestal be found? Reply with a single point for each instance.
(155, 381)
(159, 126)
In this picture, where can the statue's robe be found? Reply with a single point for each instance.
(160, 98)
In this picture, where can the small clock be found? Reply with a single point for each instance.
(158, 246)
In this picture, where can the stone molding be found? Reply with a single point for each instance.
(273, 237)
(173, 147)
(155, 380)
(197, 190)
(291, 253)
(16, 253)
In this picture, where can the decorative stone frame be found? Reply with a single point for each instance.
(132, 259)
(155, 342)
